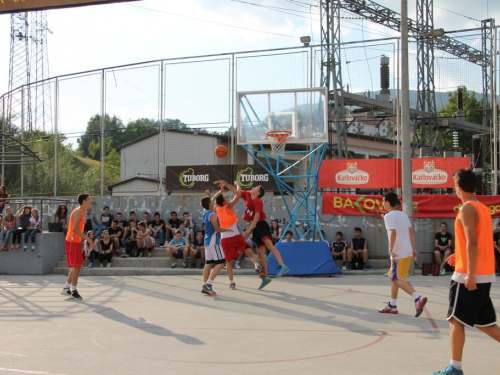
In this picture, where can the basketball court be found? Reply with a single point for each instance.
(164, 325)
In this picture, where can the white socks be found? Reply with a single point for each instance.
(72, 287)
(393, 302)
(415, 296)
(66, 286)
(456, 364)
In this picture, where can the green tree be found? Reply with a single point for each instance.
(473, 108)
(138, 128)
(113, 130)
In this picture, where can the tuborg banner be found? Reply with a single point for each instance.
(202, 177)
(386, 173)
(423, 205)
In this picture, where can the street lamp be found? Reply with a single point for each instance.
(305, 40)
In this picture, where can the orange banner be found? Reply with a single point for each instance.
(360, 173)
(423, 205)
(386, 173)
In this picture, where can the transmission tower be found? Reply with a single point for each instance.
(426, 98)
(370, 10)
(19, 102)
(39, 62)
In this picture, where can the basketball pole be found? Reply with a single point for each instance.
(304, 189)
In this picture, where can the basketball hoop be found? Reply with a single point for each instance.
(278, 141)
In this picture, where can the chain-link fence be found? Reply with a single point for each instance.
(199, 92)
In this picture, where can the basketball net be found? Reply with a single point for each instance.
(278, 141)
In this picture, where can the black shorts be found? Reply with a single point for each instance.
(471, 308)
(443, 251)
(261, 231)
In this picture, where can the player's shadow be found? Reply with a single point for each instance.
(141, 324)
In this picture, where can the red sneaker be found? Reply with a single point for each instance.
(389, 309)
(419, 305)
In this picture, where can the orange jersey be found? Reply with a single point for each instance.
(71, 236)
(485, 254)
(227, 217)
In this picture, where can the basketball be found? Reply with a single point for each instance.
(221, 151)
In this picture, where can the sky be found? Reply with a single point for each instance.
(98, 36)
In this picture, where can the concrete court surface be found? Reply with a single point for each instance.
(164, 325)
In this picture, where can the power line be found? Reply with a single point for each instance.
(212, 22)
(458, 14)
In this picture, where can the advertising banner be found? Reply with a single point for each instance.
(423, 205)
(195, 178)
(360, 173)
(436, 172)
(202, 177)
(386, 173)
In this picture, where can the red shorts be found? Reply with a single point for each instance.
(74, 256)
(233, 246)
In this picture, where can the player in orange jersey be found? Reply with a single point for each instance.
(233, 243)
(74, 236)
(474, 261)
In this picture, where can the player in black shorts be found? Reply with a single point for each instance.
(261, 231)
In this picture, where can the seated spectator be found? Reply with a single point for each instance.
(106, 219)
(339, 249)
(130, 242)
(90, 253)
(144, 239)
(185, 231)
(358, 250)
(249, 239)
(9, 228)
(105, 249)
(157, 227)
(496, 243)
(198, 250)
(190, 224)
(4, 197)
(34, 227)
(320, 236)
(145, 218)
(61, 216)
(443, 249)
(276, 231)
(24, 215)
(122, 223)
(132, 217)
(116, 234)
(90, 220)
(173, 223)
(288, 236)
(178, 248)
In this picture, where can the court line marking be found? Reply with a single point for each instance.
(383, 335)
(28, 372)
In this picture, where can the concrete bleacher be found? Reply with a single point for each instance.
(159, 264)
(50, 258)
(49, 251)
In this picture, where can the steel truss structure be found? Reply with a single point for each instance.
(331, 76)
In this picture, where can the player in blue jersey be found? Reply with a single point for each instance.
(213, 248)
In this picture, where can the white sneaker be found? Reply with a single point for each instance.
(238, 266)
(442, 272)
(344, 268)
(108, 265)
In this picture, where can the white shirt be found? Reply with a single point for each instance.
(399, 221)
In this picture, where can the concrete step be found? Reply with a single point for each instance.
(160, 271)
(145, 271)
(160, 262)
(158, 252)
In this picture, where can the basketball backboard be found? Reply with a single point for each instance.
(303, 112)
